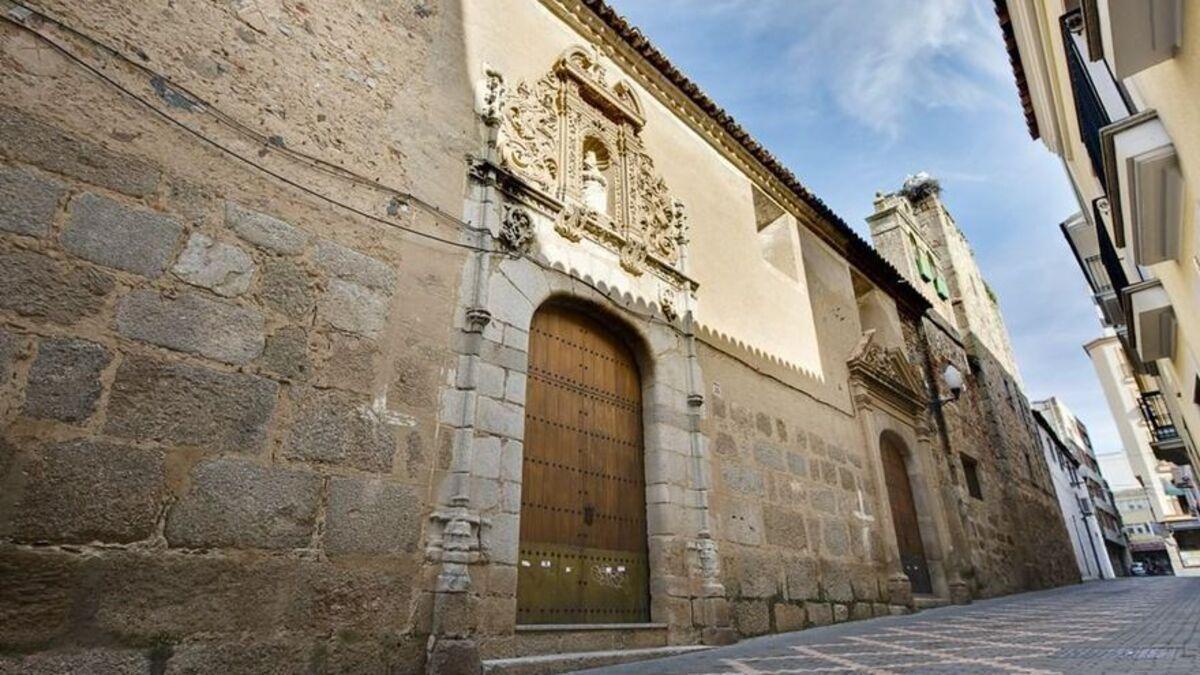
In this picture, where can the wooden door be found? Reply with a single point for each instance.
(583, 510)
(904, 517)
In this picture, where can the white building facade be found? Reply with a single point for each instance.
(1078, 507)
(1163, 508)
(1106, 518)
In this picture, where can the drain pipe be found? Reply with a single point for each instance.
(714, 620)
(452, 647)
(695, 403)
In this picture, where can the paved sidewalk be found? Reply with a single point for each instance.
(1135, 625)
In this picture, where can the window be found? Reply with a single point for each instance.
(939, 282)
(925, 265)
(971, 472)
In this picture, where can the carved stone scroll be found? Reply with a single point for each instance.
(577, 139)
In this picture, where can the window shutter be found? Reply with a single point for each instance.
(925, 265)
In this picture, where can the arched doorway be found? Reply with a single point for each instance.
(583, 554)
(904, 514)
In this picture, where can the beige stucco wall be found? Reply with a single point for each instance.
(1120, 391)
(1172, 88)
(740, 297)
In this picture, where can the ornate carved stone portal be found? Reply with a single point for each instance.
(576, 139)
(882, 374)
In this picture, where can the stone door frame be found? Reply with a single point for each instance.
(917, 453)
(498, 300)
(889, 401)
(667, 448)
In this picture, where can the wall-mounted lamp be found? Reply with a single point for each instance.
(954, 381)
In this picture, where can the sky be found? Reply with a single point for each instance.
(855, 95)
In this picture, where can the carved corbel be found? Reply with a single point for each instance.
(633, 258)
(667, 304)
(477, 319)
(454, 540)
(572, 224)
(516, 230)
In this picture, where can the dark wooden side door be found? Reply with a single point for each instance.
(583, 507)
(904, 517)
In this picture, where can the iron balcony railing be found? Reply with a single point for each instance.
(1154, 409)
(1099, 100)
(1113, 273)
(1097, 274)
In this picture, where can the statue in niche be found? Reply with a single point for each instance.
(608, 187)
(595, 184)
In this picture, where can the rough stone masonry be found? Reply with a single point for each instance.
(264, 355)
(218, 393)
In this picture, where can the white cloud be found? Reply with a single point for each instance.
(810, 76)
(882, 61)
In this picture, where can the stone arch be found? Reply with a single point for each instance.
(674, 452)
(900, 439)
(582, 543)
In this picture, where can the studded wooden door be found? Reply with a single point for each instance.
(904, 517)
(583, 511)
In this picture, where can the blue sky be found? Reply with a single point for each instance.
(855, 95)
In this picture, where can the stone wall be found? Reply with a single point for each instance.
(1011, 538)
(218, 391)
(795, 504)
(254, 415)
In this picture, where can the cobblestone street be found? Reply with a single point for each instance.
(1130, 625)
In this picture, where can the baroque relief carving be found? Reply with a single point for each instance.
(529, 134)
(577, 139)
(516, 230)
(884, 374)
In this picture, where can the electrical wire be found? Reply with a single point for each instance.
(266, 142)
(272, 145)
(155, 77)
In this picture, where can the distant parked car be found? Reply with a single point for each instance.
(1138, 569)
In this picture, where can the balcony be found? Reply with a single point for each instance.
(1164, 436)
(1093, 266)
(1133, 36)
(1099, 261)
(1099, 100)
(1145, 187)
(1154, 409)
(1110, 304)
